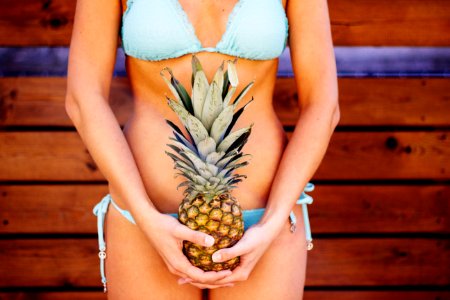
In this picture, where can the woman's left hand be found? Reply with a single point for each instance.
(250, 248)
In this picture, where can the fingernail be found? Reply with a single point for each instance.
(209, 241)
(216, 257)
(230, 285)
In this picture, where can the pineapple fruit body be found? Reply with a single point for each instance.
(221, 217)
(207, 158)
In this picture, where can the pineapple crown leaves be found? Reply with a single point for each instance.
(207, 160)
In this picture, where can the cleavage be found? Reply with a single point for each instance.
(208, 18)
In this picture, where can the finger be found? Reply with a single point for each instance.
(184, 280)
(185, 233)
(240, 273)
(228, 253)
(172, 269)
(199, 275)
(210, 286)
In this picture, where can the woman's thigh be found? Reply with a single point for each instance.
(134, 270)
(279, 274)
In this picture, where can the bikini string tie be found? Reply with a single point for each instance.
(303, 200)
(100, 211)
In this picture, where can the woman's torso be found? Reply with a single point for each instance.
(147, 132)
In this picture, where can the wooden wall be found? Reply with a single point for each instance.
(380, 217)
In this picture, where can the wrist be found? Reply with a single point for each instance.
(272, 223)
(146, 214)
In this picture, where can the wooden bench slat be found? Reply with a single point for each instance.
(335, 208)
(332, 262)
(39, 101)
(371, 22)
(61, 156)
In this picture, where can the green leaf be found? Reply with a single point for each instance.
(171, 87)
(196, 129)
(185, 98)
(199, 92)
(221, 124)
(242, 93)
(226, 84)
(232, 72)
(218, 78)
(226, 144)
(227, 99)
(196, 161)
(212, 106)
(214, 157)
(181, 112)
(205, 147)
(236, 117)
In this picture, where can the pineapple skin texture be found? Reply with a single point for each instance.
(220, 217)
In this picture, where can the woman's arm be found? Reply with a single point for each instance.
(91, 63)
(314, 66)
(313, 62)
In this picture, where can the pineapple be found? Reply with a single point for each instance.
(208, 158)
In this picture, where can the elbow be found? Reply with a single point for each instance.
(71, 107)
(336, 116)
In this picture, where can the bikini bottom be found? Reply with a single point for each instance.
(251, 217)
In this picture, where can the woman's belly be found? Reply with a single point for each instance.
(148, 133)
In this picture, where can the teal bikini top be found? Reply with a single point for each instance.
(160, 29)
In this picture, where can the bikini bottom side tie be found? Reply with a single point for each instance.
(251, 217)
(303, 200)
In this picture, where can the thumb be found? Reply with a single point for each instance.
(185, 233)
(229, 253)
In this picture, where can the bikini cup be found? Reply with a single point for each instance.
(160, 29)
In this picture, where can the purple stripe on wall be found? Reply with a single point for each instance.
(351, 61)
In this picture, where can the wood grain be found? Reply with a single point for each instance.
(61, 156)
(337, 209)
(390, 23)
(36, 22)
(363, 22)
(39, 101)
(332, 262)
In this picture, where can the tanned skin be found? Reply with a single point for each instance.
(145, 261)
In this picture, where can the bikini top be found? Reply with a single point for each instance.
(160, 29)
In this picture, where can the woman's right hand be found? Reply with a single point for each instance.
(166, 234)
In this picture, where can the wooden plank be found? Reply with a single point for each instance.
(308, 295)
(380, 208)
(377, 101)
(35, 22)
(366, 208)
(39, 101)
(386, 155)
(46, 156)
(390, 23)
(61, 156)
(69, 295)
(49, 208)
(332, 262)
(364, 22)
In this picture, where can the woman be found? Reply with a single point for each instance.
(145, 260)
